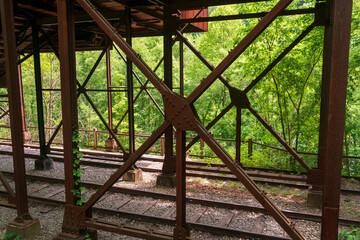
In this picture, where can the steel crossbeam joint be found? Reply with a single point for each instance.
(179, 112)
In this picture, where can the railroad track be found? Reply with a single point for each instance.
(123, 197)
(194, 169)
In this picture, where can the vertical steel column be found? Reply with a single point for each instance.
(108, 77)
(238, 135)
(168, 167)
(39, 163)
(130, 84)
(21, 98)
(65, 9)
(11, 66)
(181, 230)
(339, 40)
(325, 82)
(181, 49)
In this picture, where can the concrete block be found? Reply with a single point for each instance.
(27, 231)
(133, 175)
(44, 163)
(111, 145)
(27, 137)
(314, 198)
(166, 180)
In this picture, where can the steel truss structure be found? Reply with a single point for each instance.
(180, 115)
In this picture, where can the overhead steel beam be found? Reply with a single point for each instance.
(245, 16)
(189, 4)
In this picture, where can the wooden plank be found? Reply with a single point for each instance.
(104, 197)
(122, 202)
(8, 205)
(198, 215)
(259, 224)
(46, 209)
(37, 189)
(225, 221)
(169, 212)
(54, 193)
(148, 206)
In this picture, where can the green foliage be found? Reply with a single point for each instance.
(10, 236)
(352, 234)
(288, 97)
(87, 237)
(77, 170)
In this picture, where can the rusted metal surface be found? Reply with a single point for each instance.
(130, 83)
(168, 166)
(109, 95)
(11, 66)
(21, 100)
(181, 226)
(181, 105)
(39, 96)
(339, 27)
(69, 109)
(180, 112)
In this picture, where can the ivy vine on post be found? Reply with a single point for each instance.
(77, 170)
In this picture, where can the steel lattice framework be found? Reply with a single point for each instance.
(179, 113)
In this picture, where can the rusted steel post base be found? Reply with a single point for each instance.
(134, 175)
(29, 229)
(180, 233)
(27, 137)
(44, 163)
(166, 180)
(111, 145)
(314, 198)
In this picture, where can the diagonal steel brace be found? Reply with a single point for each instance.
(186, 104)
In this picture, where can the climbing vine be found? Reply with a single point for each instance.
(77, 170)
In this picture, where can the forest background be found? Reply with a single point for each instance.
(288, 97)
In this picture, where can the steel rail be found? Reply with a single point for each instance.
(160, 220)
(190, 200)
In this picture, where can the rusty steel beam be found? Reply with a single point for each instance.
(142, 88)
(238, 135)
(179, 102)
(82, 86)
(280, 139)
(246, 16)
(12, 80)
(109, 96)
(130, 53)
(253, 83)
(239, 49)
(68, 91)
(103, 121)
(39, 99)
(130, 83)
(9, 190)
(22, 98)
(181, 230)
(338, 37)
(155, 69)
(168, 166)
(126, 166)
(181, 68)
(238, 171)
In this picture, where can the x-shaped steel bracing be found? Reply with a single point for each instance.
(181, 114)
